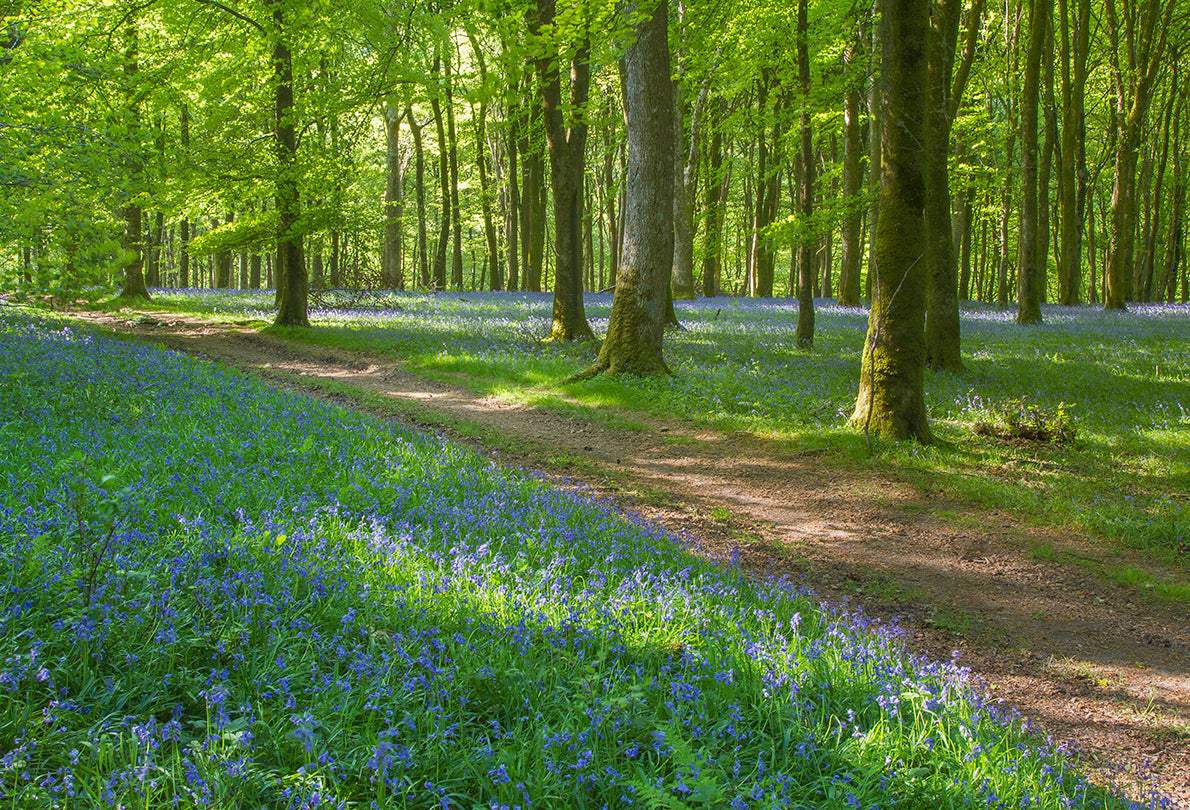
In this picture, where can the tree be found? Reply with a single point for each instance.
(637, 323)
(1075, 49)
(1141, 33)
(805, 251)
(133, 244)
(1029, 289)
(567, 142)
(891, 399)
(943, 339)
(852, 167)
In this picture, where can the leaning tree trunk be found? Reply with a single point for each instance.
(891, 399)
(637, 323)
(567, 149)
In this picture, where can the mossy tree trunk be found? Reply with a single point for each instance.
(891, 399)
(567, 145)
(637, 323)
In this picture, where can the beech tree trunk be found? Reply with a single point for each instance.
(444, 218)
(1076, 37)
(567, 150)
(132, 243)
(637, 325)
(805, 251)
(392, 270)
(891, 399)
(292, 284)
(852, 171)
(1029, 278)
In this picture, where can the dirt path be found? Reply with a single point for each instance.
(1086, 661)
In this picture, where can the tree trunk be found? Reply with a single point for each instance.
(875, 150)
(715, 210)
(392, 259)
(481, 162)
(891, 399)
(132, 242)
(292, 284)
(423, 257)
(637, 325)
(853, 174)
(805, 251)
(567, 150)
(1076, 34)
(943, 326)
(456, 227)
(444, 219)
(1029, 284)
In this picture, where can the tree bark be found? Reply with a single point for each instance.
(943, 326)
(456, 227)
(853, 175)
(637, 325)
(392, 259)
(1076, 38)
(805, 251)
(444, 218)
(1029, 278)
(132, 243)
(423, 256)
(567, 150)
(292, 284)
(481, 162)
(891, 399)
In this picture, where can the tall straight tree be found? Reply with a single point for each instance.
(637, 324)
(853, 173)
(133, 244)
(943, 337)
(567, 142)
(1075, 48)
(292, 284)
(806, 244)
(891, 399)
(1029, 287)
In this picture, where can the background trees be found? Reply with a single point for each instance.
(203, 142)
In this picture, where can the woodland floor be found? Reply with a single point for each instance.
(1088, 661)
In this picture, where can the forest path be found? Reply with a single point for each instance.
(1086, 660)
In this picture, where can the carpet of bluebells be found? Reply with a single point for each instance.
(215, 594)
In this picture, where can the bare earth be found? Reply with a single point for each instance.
(1086, 660)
